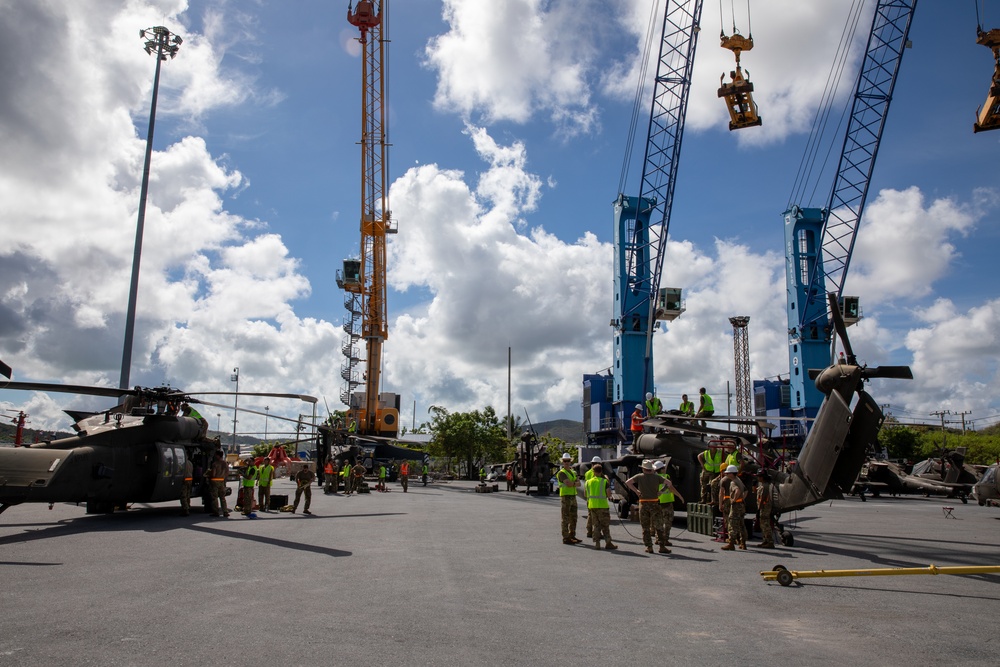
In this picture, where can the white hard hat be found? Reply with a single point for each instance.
(649, 395)
(732, 469)
(596, 459)
(567, 457)
(638, 406)
(658, 464)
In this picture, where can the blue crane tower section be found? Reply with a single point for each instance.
(819, 242)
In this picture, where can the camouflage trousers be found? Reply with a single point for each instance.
(186, 497)
(264, 497)
(601, 518)
(764, 518)
(706, 485)
(666, 523)
(737, 524)
(568, 506)
(217, 493)
(306, 490)
(724, 508)
(650, 518)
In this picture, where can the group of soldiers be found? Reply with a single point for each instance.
(656, 503)
(722, 487)
(653, 406)
(352, 475)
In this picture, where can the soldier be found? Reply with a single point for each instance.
(646, 485)
(737, 512)
(667, 493)
(303, 480)
(265, 478)
(346, 474)
(381, 477)
(568, 483)
(686, 407)
(586, 478)
(186, 487)
(425, 474)
(764, 505)
(653, 405)
(724, 504)
(404, 475)
(358, 476)
(711, 464)
(637, 419)
(217, 481)
(597, 507)
(249, 481)
(706, 408)
(188, 411)
(330, 479)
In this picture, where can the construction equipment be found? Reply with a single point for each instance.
(819, 242)
(641, 226)
(989, 114)
(738, 92)
(363, 280)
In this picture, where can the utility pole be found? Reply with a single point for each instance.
(235, 377)
(944, 433)
(165, 44)
(962, 415)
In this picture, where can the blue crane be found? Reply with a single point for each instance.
(641, 226)
(819, 242)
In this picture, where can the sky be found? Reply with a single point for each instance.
(508, 123)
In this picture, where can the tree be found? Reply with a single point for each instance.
(899, 441)
(474, 438)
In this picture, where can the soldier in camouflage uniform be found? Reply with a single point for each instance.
(568, 483)
(737, 512)
(186, 487)
(667, 493)
(722, 503)
(217, 479)
(646, 485)
(765, 506)
(598, 508)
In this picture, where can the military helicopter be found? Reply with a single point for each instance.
(831, 457)
(133, 452)
(987, 489)
(948, 475)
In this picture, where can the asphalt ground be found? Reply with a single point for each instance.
(445, 576)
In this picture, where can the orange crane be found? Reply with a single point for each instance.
(363, 280)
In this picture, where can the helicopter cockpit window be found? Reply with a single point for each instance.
(990, 475)
(180, 456)
(922, 467)
(168, 461)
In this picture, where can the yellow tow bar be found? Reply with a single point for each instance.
(785, 577)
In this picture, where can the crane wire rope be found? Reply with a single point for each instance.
(640, 88)
(818, 135)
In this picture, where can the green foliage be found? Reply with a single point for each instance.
(469, 438)
(264, 448)
(900, 442)
(557, 447)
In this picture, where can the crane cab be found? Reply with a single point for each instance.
(350, 278)
(850, 308)
(989, 114)
(669, 304)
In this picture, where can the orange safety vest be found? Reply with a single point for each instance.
(404, 469)
(328, 468)
(637, 421)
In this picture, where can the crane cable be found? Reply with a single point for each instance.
(821, 120)
(732, 7)
(639, 94)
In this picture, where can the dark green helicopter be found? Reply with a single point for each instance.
(134, 452)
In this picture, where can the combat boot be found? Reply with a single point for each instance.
(743, 546)
(766, 545)
(664, 549)
(649, 548)
(597, 544)
(729, 547)
(611, 547)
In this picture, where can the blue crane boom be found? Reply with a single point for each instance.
(642, 222)
(819, 242)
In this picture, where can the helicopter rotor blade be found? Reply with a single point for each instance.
(302, 397)
(893, 372)
(248, 410)
(840, 326)
(109, 392)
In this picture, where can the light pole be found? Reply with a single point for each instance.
(235, 377)
(218, 422)
(165, 44)
(266, 408)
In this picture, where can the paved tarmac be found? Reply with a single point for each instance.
(445, 576)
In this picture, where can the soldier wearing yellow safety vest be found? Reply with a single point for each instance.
(345, 472)
(586, 478)
(705, 406)
(248, 482)
(647, 485)
(653, 405)
(711, 465)
(686, 407)
(265, 478)
(667, 493)
(597, 506)
(568, 483)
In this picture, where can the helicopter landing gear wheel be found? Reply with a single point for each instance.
(965, 499)
(784, 577)
(623, 509)
(787, 539)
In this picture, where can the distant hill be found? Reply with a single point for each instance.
(567, 430)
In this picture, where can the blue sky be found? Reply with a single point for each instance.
(508, 122)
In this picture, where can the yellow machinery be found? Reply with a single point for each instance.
(989, 114)
(785, 577)
(364, 280)
(738, 92)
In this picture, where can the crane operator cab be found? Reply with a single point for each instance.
(989, 113)
(350, 278)
(738, 92)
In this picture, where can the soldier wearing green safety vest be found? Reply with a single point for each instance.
(568, 483)
(705, 406)
(249, 481)
(265, 478)
(711, 465)
(667, 493)
(345, 472)
(686, 407)
(597, 506)
(586, 478)
(653, 405)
